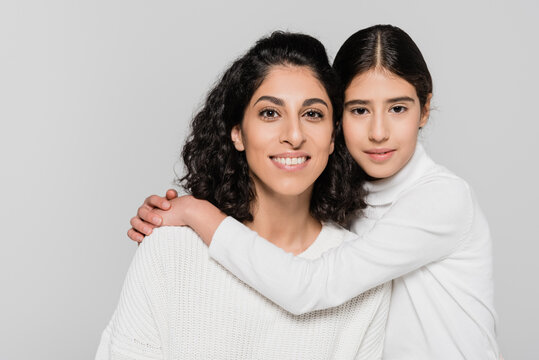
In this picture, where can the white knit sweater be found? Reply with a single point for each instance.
(177, 303)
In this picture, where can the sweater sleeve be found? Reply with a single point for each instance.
(133, 332)
(425, 224)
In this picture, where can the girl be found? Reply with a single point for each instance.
(260, 151)
(423, 228)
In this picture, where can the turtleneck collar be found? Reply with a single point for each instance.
(385, 191)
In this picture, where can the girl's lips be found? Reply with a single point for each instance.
(380, 155)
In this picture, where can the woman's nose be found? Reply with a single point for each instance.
(292, 133)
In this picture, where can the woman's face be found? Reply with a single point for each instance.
(286, 132)
(381, 119)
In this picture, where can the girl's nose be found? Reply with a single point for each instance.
(378, 130)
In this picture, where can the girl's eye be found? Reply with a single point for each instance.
(398, 109)
(314, 114)
(269, 114)
(359, 111)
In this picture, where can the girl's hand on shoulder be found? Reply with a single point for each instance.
(150, 215)
(176, 214)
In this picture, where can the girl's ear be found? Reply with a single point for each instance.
(237, 139)
(425, 112)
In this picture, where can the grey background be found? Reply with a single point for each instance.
(95, 98)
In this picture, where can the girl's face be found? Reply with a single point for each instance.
(381, 119)
(286, 132)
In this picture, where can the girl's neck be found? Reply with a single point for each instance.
(285, 221)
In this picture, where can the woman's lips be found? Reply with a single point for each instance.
(290, 161)
(380, 155)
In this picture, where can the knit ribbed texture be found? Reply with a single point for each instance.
(177, 303)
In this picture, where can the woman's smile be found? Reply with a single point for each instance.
(290, 161)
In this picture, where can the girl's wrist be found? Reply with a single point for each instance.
(203, 217)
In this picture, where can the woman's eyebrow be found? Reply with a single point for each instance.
(272, 99)
(311, 101)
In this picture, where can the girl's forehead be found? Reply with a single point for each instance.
(379, 83)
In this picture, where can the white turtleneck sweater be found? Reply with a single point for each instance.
(423, 229)
(177, 303)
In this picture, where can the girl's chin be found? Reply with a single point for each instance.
(379, 174)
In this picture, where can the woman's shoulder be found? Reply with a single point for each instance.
(335, 231)
(168, 233)
(331, 235)
(171, 244)
(169, 236)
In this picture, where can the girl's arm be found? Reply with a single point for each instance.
(424, 225)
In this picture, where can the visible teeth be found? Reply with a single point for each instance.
(290, 161)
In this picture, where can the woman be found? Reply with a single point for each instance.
(423, 228)
(260, 151)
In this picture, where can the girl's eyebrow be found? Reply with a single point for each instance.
(367, 102)
(400, 99)
(357, 102)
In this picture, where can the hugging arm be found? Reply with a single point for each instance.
(416, 230)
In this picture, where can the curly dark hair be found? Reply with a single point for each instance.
(217, 172)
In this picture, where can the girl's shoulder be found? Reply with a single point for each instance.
(438, 198)
(439, 183)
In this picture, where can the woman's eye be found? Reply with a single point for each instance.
(314, 114)
(269, 114)
(398, 109)
(359, 111)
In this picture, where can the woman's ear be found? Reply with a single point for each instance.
(425, 112)
(237, 139)
(332, 145)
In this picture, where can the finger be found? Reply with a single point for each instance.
(149, 216)
(171, 194)
(135, 235)
(141, 226)
(159, 202)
